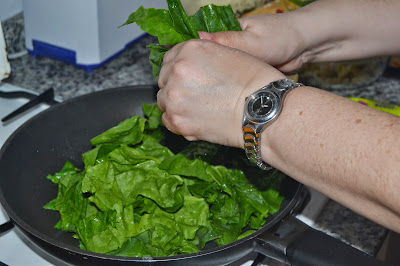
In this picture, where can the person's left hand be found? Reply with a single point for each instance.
(203, 86)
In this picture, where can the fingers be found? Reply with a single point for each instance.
(168, 60)
(160, 100)
(171, 126)
(163, 76)
(172, 117)
(171, 53)
(172, 109)
(291, 67)
(167, 122)
(235, 39)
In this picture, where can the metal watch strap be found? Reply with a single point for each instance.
(252, 131)
(251, 147)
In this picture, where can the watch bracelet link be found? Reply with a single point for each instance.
(251, 147)
(251, 137)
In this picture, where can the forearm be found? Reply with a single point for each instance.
(348, 151)
(344, 149)
(335, 30)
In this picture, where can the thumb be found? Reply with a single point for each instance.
(235, 39)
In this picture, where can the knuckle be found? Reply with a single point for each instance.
(180, 126)
(167, 56)
(179, 67)
(173, 95)
(193, 44)
(166, 122)
(174, 119)
(161, 83)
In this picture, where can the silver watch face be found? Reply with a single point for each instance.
(262, 106)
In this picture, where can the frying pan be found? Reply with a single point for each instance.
(62, 132)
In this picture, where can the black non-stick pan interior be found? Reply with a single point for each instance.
(43, 144)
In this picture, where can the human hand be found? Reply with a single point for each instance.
(203, 86)
(272, 38)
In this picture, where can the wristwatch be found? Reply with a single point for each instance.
(261, 109)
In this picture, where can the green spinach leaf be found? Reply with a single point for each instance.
(174, 26)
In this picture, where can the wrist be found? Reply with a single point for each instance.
(262, 108)
(331, 31)
(279, 141)
(262, 79)
(319, 31)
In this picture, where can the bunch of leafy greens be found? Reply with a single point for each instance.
(135, 197)
(173, 26)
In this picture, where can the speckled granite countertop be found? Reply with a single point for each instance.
(132, 68)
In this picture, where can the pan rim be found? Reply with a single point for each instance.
(28, 230)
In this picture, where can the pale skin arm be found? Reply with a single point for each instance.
(324, 31)
(345, 150)
(348, 151)
(334, 30)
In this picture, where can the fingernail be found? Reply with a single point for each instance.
(205, 35)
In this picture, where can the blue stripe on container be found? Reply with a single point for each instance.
(69, 56)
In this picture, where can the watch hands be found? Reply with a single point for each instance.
(263, 105)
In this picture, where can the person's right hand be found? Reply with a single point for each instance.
(272, 38)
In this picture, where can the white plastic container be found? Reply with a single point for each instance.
(82, 32)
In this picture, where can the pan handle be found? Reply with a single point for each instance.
(7, 226)
(45, 97)
(295, 243)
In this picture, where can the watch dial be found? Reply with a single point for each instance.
(262, 105)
